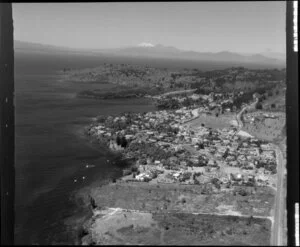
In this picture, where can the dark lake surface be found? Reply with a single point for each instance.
(50, 151)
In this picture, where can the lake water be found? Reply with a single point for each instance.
(50, 153)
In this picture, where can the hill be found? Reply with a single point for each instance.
(158, 55)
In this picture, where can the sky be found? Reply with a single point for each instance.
(243, 27)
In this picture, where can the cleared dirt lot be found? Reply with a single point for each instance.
(183, 198)
(266, 128)
(123, 227)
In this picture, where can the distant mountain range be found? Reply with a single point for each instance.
(157, 51)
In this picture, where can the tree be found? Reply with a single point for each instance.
(201, 145)
(123, 142)
(118, 140)
(259, 106)
(242, 192)
(92, 202)
(215, 182)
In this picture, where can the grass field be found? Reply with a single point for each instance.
(122, 227)
(266, 128)
(222, 121)
(184, 198)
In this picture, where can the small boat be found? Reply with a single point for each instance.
(89, 166)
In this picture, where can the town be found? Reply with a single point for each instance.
(198, 153)
(166, 149)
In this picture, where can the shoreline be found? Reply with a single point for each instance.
(79, 197)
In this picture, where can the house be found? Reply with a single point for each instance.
(251, 178)
(266, 146)
(233, 163)
(212, 163)
(236, 177)
(129, 137)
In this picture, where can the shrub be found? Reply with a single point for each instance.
(242, 192)
(126, 172)
(259, 106)
(81, 232)
(123, 142)
(134, 169)
(101, 119)
(215, 182)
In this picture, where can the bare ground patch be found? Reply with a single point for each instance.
(266, 128)
(184, 198)
(161, 228)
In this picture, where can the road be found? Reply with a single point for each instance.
(247, 107)
(279, 210)
(112, 211)
(179, 92)
(277, 219)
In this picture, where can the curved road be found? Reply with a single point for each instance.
(247, 107)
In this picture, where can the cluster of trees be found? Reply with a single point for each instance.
(200, 90)
(207, 189)
(277, 75)
(259, 106)
(121, 141)
(173, 103)
(125, 92)
(101, 119)
(271, 166)
(150, 150)
(220, 81)
(202, 161)
(117, 125)
(216, 183)
(165, 128)
(168, 103)
(185, 176)
(244, 98)
(241, 191)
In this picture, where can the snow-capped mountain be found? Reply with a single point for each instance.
(158, 51)
(144, 44)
